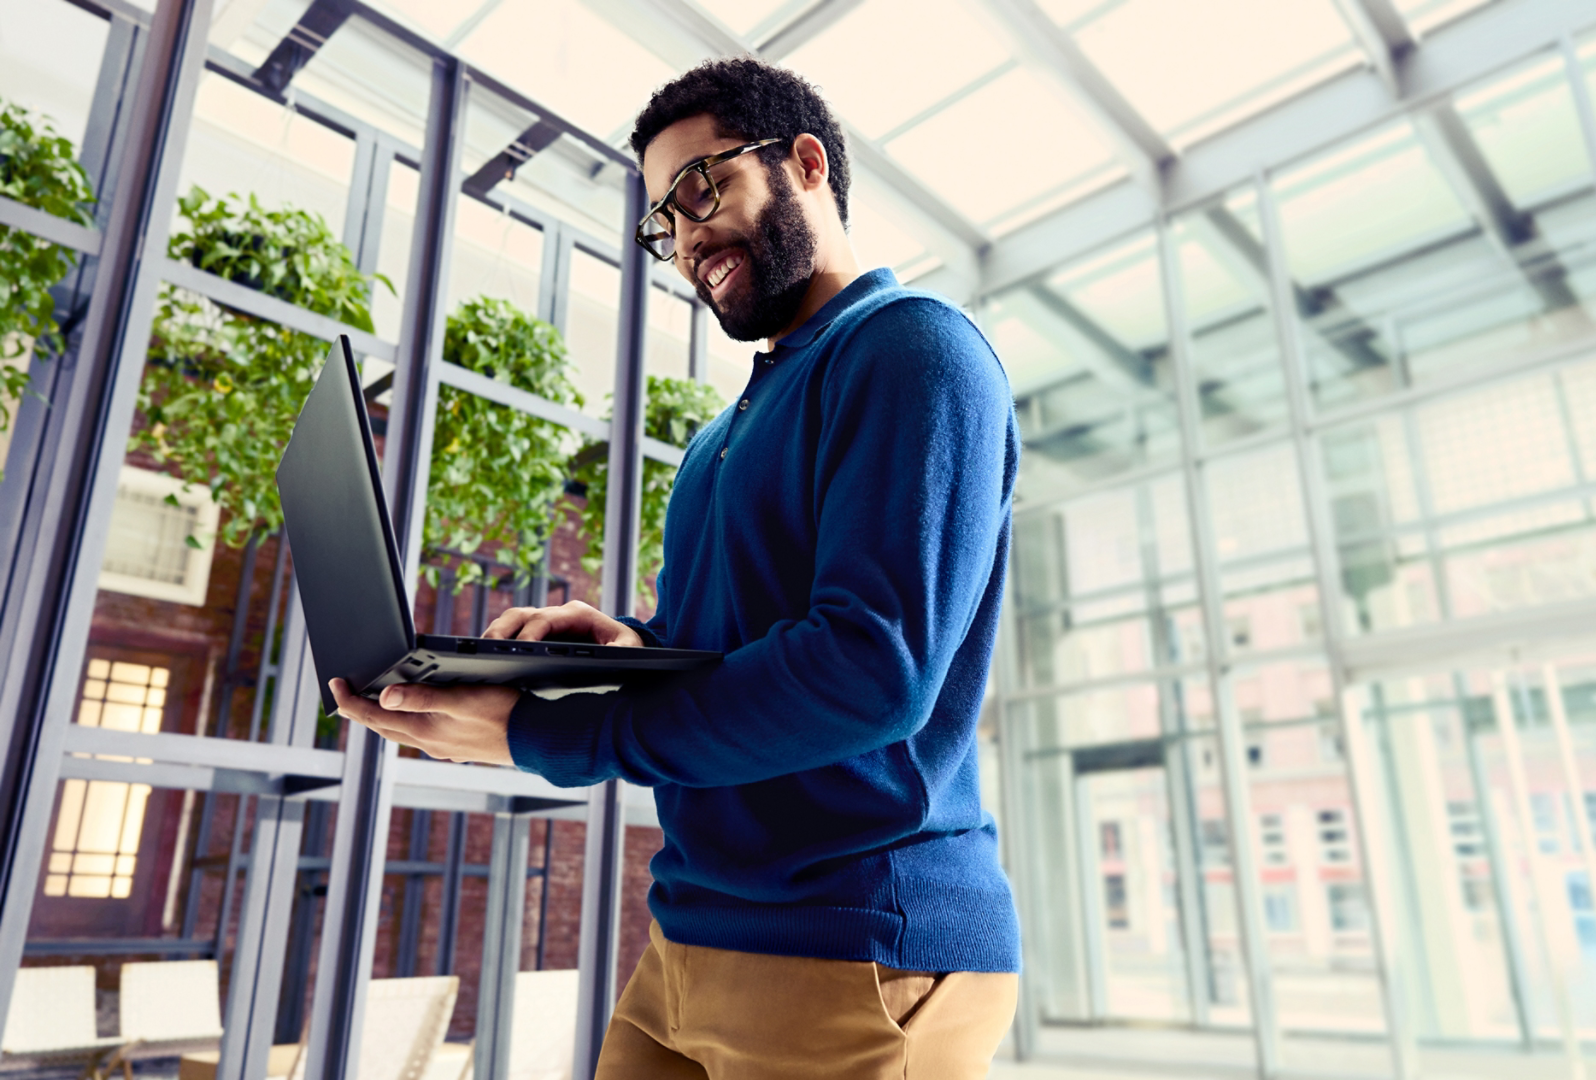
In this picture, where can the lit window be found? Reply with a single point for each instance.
(1280, 909)
(1116, 902)
(96, 844)
(1348, 911)
(1334, 839)
(161, 540)
(1112, 846)
(1272, 838)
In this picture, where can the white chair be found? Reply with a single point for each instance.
(51, 1021)
(168, 1009)
(543, 1038)
(406, 1020)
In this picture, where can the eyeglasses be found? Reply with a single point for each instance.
(693, 193)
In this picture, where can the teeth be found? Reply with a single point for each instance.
(717, 275)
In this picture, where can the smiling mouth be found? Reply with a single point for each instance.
(723, 270)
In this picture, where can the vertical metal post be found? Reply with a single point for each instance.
(1497, 857)
(269, 889)
(501, 945)
(100, 154)
(1321, 536)
(1569, 765)
(49, 599)
(543, 891)
(355, 886)
(698, 344)
(449, 905)
(410, 906)
(1583, 106)
(606, 819)
(551, 275)
(1543, 878)
(1013, 834)
(1232, 743)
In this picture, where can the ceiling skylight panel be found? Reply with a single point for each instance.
(1528, 129)
(1368, 204)
(890, 60)
(1194, 68)
(1425, 15)
(430, 17)
(561, 54)
(1121, 291)
(1017, 140)
(741, 16)
(877, 239)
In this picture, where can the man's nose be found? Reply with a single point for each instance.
(689, 238)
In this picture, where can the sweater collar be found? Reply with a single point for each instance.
(871, 281)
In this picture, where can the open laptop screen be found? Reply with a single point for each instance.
(345, 559)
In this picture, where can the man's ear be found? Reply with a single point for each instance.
(813, 167)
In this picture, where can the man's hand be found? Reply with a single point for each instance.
(535, 624)
(450, 723)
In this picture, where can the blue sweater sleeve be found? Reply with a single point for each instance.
(652, 632)
(912, 455)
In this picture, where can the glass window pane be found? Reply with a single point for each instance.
(1065, 156)
(670, 332)
(50, 54)
(1454, 240)
(941, 46)
(1193, 69)
(1087, 355)
(1235, 346)
(592, 325)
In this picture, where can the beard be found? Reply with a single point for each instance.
(779, 260)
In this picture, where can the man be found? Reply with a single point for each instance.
(828, 901)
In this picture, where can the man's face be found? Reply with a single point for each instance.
(751, 262)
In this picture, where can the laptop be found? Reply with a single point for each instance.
(351, 584)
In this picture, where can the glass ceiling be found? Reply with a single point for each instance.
(915, 78)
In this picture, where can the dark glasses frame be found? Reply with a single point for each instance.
(670, 207)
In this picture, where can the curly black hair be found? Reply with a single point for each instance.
(750, 99)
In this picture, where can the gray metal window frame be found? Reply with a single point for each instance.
(57, 498)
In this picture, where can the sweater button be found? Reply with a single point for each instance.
(723, 452)
(743, 404)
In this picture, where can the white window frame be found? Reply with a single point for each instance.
(197, 573)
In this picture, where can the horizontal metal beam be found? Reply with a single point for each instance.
(68, 234)
(474, 382)
(1451, 59)
(94, 946)
(446, 775)
(253, 302)
(265, 759)
(189, 777)
(805, 27)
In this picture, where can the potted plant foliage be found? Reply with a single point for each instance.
(223, 387)
(497, 473)
(676, 409)
(38, 168)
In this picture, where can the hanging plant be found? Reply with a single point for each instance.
(676, 409)
(497, 472)
(38, 168)
(223, 387)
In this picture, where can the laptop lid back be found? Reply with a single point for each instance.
(345, 559)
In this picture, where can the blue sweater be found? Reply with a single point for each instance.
(841, 534)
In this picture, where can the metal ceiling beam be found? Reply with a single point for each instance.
(1452, 58)
(1137, 144)
(804, 28)
(1381, 33)
(502, 166)
(319, 22)
(1458, 157)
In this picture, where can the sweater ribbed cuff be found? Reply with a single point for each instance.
(650, 639)
(557, 739)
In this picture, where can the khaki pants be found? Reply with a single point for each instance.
(695, 1012)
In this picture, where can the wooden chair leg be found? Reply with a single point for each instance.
(127, 1069)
